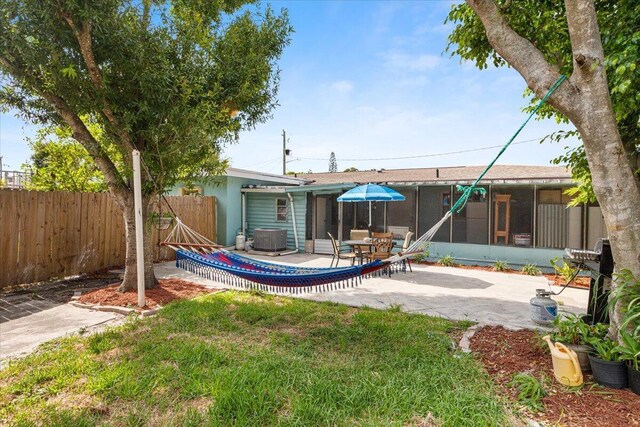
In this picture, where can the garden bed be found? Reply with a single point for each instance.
(581, 282)
(506, 353)
(166, 291)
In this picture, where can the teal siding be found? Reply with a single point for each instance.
(261, 213)
(471, 254)
(227, 190)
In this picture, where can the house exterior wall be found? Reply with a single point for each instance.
(474, 254)
(540, 226)
(228, 193)
(261, 213)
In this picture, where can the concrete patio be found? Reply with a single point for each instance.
(455, 293)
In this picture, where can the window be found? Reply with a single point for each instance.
(434, 202)
(281, 210)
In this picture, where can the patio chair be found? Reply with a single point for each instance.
(407, 241)
(382, 235)
(338, 255)
(358, 234)
(380, 248)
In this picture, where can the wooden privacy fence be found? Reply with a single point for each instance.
(46, 235)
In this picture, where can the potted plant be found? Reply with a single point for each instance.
(627, 293)
(630, 352)
(570, 330)
(608, 370)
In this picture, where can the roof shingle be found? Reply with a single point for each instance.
(462, 174)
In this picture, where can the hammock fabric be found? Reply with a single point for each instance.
(199, 255)
(247, 273)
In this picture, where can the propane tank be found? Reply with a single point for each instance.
(543, 308)
(240, 241)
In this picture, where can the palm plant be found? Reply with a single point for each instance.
(629, 350)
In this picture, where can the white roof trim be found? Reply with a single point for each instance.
(282, 179)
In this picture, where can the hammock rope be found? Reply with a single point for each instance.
(420, 244)
(199, 255)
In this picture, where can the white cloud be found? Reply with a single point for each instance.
(342, 86)
(409, 62)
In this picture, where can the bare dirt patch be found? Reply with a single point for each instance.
(166, 291)
(505, 353)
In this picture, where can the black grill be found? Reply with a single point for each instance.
(600, 262)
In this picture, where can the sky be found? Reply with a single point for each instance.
(371, 82)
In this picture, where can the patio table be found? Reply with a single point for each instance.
(360, 244)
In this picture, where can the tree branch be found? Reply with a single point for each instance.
(82, 34)
(80, 132)
(522, 55)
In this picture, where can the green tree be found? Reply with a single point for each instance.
(174, 79)
(60, 163)
(542, 39)
(351, 169)
(333, 163)
(619, 24)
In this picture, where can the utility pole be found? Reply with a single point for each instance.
(284, 152)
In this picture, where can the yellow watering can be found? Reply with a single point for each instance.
(566, 367)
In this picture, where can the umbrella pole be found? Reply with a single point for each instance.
(369, 213)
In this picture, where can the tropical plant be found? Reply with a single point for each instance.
(531, 270)
(627, 295)
(421, 256)
(566, 271)
(629, 349)
(569, 328)
(606, 349)
(500, 266)
(530, 390)
(176, 80)
(447, 261)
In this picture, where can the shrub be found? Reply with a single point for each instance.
(565, 270)
(500, 266)
(627, 293)
(531, 270)
(447, 261)
(569, 328)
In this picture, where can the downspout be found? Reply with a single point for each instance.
(295, 227)
(244, 214)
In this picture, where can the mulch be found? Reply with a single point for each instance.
(505, 353)
(166, 291)
(556, 280)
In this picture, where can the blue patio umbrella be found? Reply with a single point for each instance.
(371, 193)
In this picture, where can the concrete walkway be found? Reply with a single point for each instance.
(22, 335)
(454, 293)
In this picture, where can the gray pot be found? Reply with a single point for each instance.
(609, 374)
(583, 355)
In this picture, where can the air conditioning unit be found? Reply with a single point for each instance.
(269, 239)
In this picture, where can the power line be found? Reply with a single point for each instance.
(421, 155)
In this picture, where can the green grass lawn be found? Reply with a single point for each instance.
(248, 359)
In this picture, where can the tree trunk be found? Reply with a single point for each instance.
(130, 278)
(585, 100)
(614, 182)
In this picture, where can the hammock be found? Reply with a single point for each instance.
(199, 255)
